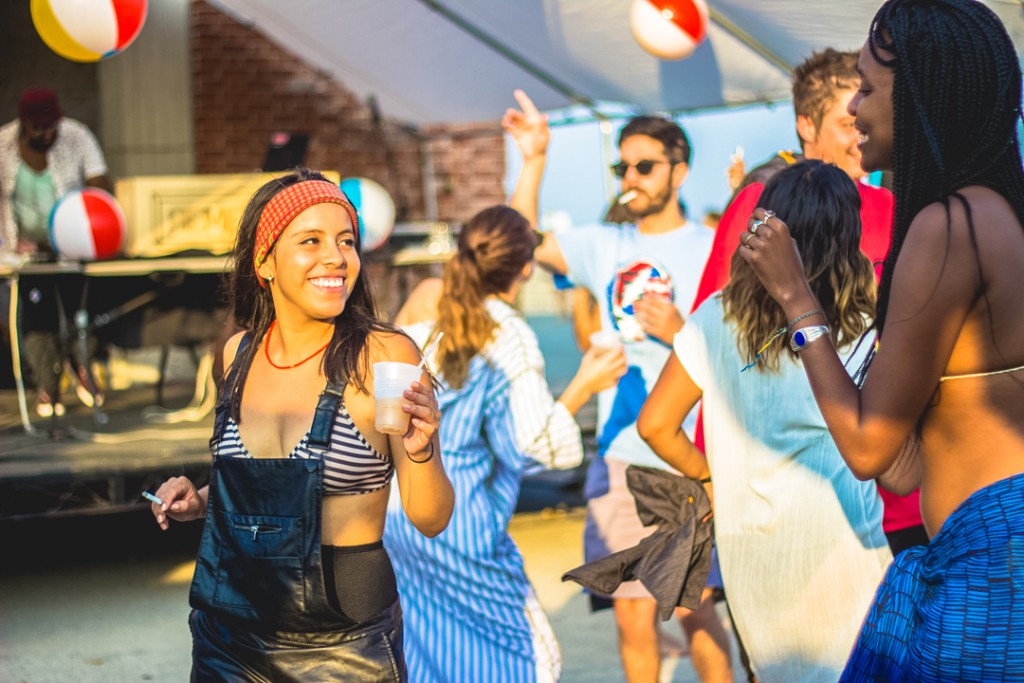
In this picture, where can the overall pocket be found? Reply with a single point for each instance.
(260, 564)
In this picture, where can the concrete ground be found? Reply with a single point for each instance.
(105, 600)
(551, 543)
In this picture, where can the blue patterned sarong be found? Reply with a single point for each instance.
(953, 610)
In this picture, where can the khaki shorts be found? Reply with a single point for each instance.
(613, 524)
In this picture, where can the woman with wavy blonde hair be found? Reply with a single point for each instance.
(799, 537)
(471, 614)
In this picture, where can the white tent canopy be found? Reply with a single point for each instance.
(447, 61)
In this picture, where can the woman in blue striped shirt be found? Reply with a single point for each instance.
(471, 613)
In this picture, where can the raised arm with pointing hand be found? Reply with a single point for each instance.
(529, 129)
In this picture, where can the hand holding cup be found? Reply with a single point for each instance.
(391, 382)
(605, 362)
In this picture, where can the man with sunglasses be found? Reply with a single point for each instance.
(644, 277)
(43, 155)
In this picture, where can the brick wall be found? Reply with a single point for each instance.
(469, 167)
(246, 87)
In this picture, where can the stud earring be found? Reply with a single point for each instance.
(270, 279)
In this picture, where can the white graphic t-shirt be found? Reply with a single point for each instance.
(619, 265)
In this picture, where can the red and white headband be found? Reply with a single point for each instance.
(283, 208)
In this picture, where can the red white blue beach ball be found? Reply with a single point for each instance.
(669, 29)
(375, 208)
(88, 30)
(87, 225)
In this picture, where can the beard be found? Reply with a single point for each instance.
(41, 144)
(657, 203)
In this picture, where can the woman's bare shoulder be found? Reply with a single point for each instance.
(387, 345)
(981, 206)
(231, 347)
(975, 221)
(422, 302)
(990, 211)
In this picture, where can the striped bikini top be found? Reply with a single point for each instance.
(351, 465)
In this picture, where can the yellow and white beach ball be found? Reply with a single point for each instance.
(88, 30)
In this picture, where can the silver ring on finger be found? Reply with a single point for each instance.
(756, 224)
(768, 213)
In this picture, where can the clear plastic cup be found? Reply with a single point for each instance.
(389, 381)
(605, 340)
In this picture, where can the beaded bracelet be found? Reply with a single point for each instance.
(775, 335)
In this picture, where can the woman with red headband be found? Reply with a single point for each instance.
(292, 580)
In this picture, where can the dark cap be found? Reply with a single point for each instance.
(39, 107)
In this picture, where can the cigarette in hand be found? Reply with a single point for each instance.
(627, 197)
(149, 496)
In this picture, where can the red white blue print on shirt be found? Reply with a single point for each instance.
(632, 282)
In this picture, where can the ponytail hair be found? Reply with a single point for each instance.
(494, 247)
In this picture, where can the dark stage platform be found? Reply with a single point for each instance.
(74, 466)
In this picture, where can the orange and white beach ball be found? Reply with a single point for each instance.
(669, 29)
(87, 225)
(88, 30)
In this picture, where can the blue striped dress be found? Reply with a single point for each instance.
(470, 612)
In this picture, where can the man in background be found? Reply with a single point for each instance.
(643, 275)
(43, 156)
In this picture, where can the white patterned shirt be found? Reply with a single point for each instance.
(74, 158)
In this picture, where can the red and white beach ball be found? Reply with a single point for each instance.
(88, 30)
(669, 29)
(87, 225)
(375, 208)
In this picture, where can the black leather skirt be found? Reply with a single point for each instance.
(365, 652)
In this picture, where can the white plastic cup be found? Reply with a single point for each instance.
(389, 381)
(605, 340)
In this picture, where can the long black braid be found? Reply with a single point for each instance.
(956, 103)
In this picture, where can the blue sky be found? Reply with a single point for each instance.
(575, 178)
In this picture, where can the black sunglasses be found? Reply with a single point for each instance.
(643, 167)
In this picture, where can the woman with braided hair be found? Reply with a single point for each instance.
(292, 581)
(941, 402)
(471, 613)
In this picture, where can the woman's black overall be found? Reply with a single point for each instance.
(261, 609)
